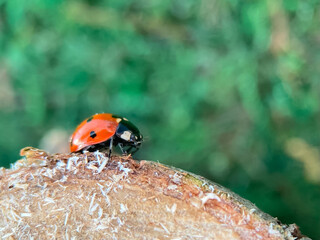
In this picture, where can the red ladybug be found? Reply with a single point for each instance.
(104, 130)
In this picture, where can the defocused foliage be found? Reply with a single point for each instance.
(226, 89)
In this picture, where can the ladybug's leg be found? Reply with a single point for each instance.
(110, 147)
(129, 149)
(134, 151)
(122, 149)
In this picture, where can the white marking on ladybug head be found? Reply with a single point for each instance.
(126, 135)
(118, 120)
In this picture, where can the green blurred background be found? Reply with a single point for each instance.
(226, 89)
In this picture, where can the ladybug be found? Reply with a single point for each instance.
(103, 131)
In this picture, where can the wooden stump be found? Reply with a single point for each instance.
(88, 196)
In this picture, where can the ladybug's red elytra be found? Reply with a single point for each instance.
(103, 131)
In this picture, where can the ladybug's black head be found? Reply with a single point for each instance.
(129, 135)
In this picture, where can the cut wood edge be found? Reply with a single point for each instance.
(90, 196)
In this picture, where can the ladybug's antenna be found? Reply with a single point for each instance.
(145, 138)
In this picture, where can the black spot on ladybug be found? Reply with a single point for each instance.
(93, 134)
(89, 119)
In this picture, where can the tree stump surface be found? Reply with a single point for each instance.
(88, 196)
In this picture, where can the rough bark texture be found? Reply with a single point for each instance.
(88, 196)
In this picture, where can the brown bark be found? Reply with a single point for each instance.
(87, 196)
